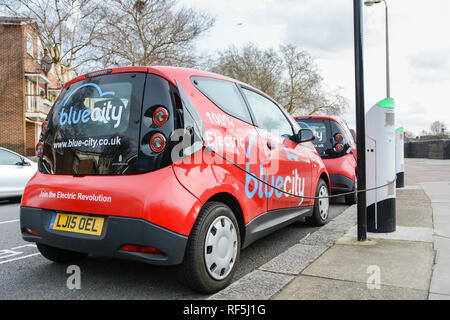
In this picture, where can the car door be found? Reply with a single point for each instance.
(228, 131)
(289, 165)
(14, 175)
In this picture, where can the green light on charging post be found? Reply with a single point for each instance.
(387, 103)
(399, 129)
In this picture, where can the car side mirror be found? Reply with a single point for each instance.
(23, 163)
(305, 135)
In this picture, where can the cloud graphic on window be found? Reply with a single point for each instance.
(99, 90)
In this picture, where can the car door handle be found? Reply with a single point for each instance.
(270, 145)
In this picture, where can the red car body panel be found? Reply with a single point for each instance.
(172, 197)
(132, 196)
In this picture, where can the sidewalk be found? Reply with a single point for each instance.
(411, 263)
(405, 259)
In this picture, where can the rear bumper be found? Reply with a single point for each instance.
(117, 231)
(340, 183)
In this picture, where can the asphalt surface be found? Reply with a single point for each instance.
(25, 274)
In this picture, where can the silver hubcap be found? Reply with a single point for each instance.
(221, 245)
(323, 203)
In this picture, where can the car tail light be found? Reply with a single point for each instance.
(338, 137)
(44, 127)
(157, 142)
(141, 249)
(32, 232)
(40, 149)
(160, 116)
(339, 147)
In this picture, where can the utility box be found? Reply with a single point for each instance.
(400, 157)
(380, 167)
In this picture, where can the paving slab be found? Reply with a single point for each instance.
(422, 234)
(410, 187)
(437, 191)
(257, 285)
(414, 216)
(440, 282)
(295, 259)
(442, 247)
(322, 237)
(413, 208)
(441, 219)
(343, 222)
(402, 263)
(435, 296)
(424, 170)
(315, 288)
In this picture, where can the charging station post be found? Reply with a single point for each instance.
(400, 157)
(380, 175)
(360, 121)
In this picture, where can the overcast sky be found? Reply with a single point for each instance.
(419, 47)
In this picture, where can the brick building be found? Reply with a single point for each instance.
(26, 91)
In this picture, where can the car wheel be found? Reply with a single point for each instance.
(321, 208)
(59, 255)
(351, 198)
(212, 251)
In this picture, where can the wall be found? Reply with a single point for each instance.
(433, 149)
(12, 104)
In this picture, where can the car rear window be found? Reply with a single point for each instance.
(321, 130)
(325, 131)
(93, 128)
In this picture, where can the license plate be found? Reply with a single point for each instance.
(77, 223)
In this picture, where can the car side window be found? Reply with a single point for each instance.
(9, 159)
(268, 115)
(225, 95)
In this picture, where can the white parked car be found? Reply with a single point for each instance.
(15, 171)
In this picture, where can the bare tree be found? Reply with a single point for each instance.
(436, 128)
(409, 135)
(290, 76)
(148, 32)
(66, 28)
(251, 65)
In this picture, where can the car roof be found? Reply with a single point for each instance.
(167, 72)
(334, 118)
(1, 148)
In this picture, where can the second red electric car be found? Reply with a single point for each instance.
(336, 146)
(169, 166)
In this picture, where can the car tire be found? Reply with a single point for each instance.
(321, 210)
(59, 255)
(351, 198)
(210, 262)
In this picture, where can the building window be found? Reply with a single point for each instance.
(31, 98)
(30, 44)
(40, 49)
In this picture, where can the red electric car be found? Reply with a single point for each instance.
(336, 146)
(169, 166)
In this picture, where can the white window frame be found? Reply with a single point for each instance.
(40, 49)
(30, 45)
(31, 98)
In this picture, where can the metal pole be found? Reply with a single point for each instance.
(360, 121)
(388, 80)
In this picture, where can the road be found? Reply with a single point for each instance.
(25, 274)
